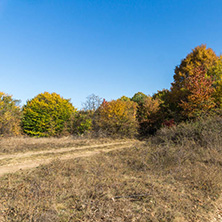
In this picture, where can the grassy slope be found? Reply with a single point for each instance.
(175, 177)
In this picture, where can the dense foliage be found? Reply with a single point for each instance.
(216, 73)
(139, 97)
(199, 57)
(200, 98)
(197, 86)
(147, 115)
(81, 122)
(117, 117)
(47, 115)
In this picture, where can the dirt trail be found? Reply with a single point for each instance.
(33, 159)
(58, 150)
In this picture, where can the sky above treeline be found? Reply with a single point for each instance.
(107, 47)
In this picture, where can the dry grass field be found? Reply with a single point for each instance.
(174, 176)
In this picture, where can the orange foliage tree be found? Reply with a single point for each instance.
(199, 57)
(200, 93)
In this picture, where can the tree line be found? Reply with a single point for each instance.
(195, 91)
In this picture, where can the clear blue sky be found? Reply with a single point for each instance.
(106, 47)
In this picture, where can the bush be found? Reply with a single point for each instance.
(82, 122)
(205, 132)
(9, 115)
(47, 115)
(191, 154)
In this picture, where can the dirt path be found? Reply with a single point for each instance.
(14, 162)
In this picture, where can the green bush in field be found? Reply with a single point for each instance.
(47, 115)
(9, 115)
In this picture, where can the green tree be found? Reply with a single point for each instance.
(168, 109)
(47, 115)
(139, 97)
(10, 115)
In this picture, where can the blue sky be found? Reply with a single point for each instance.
(107, 47)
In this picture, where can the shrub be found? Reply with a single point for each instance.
(191, 153)
(82, 122)
(205, 131)
(9, 115)
(47, 115)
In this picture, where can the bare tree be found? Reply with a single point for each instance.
(92, 102)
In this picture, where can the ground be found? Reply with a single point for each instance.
(99, 180)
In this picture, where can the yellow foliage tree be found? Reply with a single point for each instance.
(9, 115)
(147, 115)
(117, 117)
(48, 114)
(216, 73)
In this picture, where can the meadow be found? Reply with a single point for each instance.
(173, 176)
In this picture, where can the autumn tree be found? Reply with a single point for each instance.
(199, 57)
(47, 115)
(10, 115)
(216, 73)
(148, 116)
(200, 93)
(117, 118)
(125, 98)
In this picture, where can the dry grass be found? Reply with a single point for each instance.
(167, 181)
(119, 186)
(24, 144)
